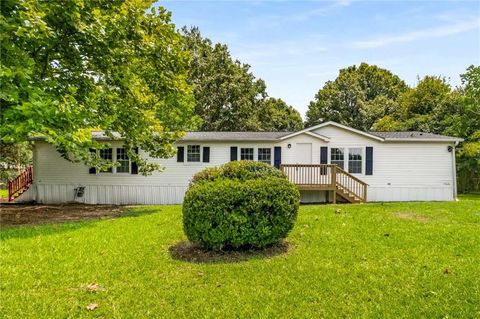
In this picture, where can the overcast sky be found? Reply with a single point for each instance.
(296, 46)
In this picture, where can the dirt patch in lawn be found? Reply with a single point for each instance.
(17, 214)
(187, 251)
(412, 216)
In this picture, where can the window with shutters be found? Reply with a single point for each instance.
(246, 154)
(123, 160)
(355, 160)
(337, 157)
(193, 153)
(106, 154)
(265, 155)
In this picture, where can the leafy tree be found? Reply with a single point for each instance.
(13, 159)
(72, 66)
(358, 97)
(383, 114)
(276, 115)
(388, 124)
(227, 95)
(426, 106)
(465, 122)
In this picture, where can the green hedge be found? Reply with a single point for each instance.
(239, 204)
(241, 170)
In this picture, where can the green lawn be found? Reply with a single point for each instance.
(410, 260)
(3, 193)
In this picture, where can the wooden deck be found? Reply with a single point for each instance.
(327, 177)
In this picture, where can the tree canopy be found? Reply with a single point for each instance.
(358, 97)
(228, 97)
(276, 115)
(465, 122)
(69, 67)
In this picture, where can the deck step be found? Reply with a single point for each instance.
(327, 177)
(20, 184)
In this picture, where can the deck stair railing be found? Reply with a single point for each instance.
(328, 177)
(20, 184)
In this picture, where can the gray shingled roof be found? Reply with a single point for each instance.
(275, 136)
(234, 136)
(413, 135)
(101, 136)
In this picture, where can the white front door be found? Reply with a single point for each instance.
(303, 153)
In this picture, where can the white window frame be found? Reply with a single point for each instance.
(252, 149)
(199, 154)
(114, 170)
(332, 161)
(361, 159)
(128, 160)
(264, 161)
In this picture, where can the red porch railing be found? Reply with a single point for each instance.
(20, 183)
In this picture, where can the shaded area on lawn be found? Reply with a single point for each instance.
(20, 214)
(186, 251)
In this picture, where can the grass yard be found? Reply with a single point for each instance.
(3, 193)
(397, 260)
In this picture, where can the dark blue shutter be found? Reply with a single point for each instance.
(180, 153)
(134, 164)
(206, 154)
(323, 159)
(369, 161)
(233, 153)
(323, 155)
(277, 156)
(92, 170)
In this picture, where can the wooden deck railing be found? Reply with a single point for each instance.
(309, 174)
(326, 177)
(351, 184)
(20, 183)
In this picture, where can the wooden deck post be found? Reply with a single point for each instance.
(334, 183)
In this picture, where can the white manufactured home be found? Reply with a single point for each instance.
(328, 162)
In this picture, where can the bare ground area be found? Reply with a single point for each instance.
(186, 251)
(19, 214)
(412, 216)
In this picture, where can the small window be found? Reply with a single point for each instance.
(246, 154)
(355, 160)
(193, 153)
(106, 154)
(337, 157)
(265, 155)
(123, 160)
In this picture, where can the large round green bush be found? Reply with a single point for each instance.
(239, 204)
(239, 170)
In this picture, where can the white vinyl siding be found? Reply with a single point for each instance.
(402, 171)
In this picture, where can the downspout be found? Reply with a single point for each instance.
(454, 171)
